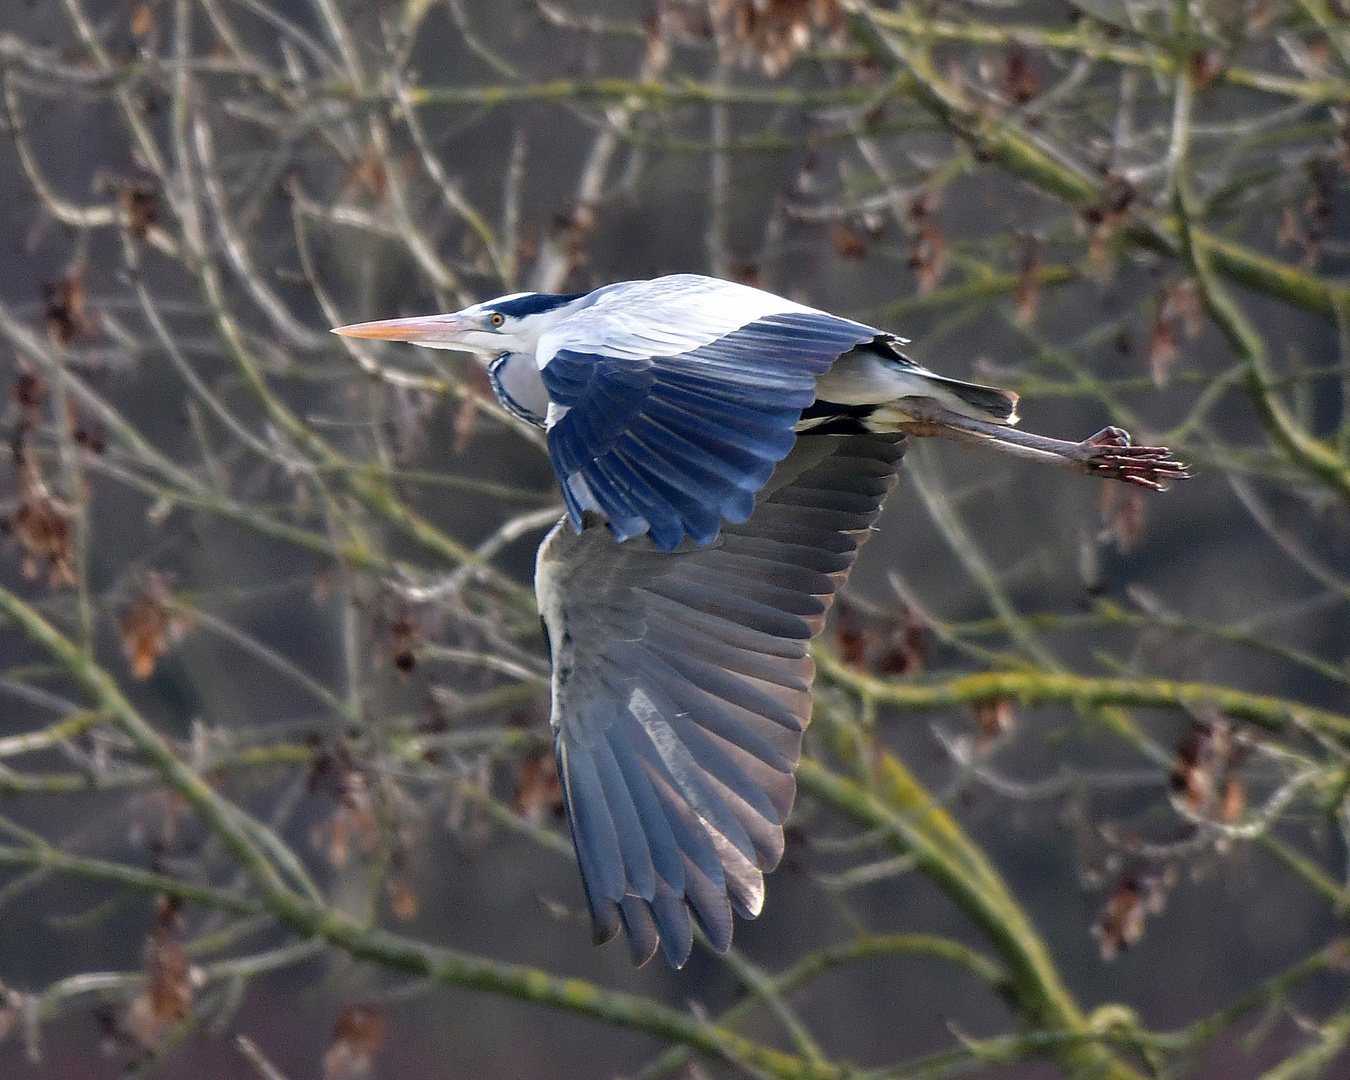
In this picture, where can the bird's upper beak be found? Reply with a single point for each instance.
(442, 330)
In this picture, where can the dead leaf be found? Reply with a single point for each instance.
(356, 1037)
(1234, 801)
(775, 31)
(747, 273)
(1290, 232)
(404, 638)
(928, 251)
(657, 56)
(1206, 66)
(142, 21)
(1028, 292)
(139, 199)
(1099, 221)
(402, 898)
(366, 174)
(1181, 303)
(1020, 81)
(1162, 350)
(1121, 923)
(993, 717)
(1262, 15)
(167, 996)
(29, 394)
(1205, 776)
(152, 625)
(848, 243)
(353, 820)
(64, 307)
(41, 523)
(538, 791)
(465, 424)
(879, 642)
(1122, 510)
(851, 642)
(1338, 954)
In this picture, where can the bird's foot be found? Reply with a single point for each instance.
(1111, 453)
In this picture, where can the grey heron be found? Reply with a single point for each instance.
(722, 454)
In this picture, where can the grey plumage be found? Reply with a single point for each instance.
(682, 685)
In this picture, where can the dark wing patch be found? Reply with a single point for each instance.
(674, 445)
(682, 686)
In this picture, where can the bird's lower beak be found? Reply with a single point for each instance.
(420, 329)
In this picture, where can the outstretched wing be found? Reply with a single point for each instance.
(681, 688)
(673, 399)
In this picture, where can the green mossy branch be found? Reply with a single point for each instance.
(1003, 141)
(917, 825)
(1032, 688)
(305, 917)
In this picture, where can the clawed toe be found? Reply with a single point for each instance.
(1111, 454)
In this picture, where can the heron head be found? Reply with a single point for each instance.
(507, 324)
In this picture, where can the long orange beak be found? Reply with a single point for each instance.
(420, 329)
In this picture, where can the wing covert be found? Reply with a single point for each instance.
(681, 688)
(668, 415)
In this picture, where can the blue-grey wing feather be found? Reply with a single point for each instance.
(682, 685)
(674, 399)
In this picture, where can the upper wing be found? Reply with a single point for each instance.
(673, 399)
(682, 686)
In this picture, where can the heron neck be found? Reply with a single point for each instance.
(519, 386)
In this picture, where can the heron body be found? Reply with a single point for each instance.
(722, 454)
(668, 402)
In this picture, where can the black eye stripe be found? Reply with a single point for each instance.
(531, 303)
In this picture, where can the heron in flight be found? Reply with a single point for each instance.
(722, 454)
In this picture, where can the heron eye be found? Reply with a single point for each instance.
(497, 318)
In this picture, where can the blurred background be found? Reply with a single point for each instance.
(1076, 802)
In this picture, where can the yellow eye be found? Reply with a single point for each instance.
(497, 318)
